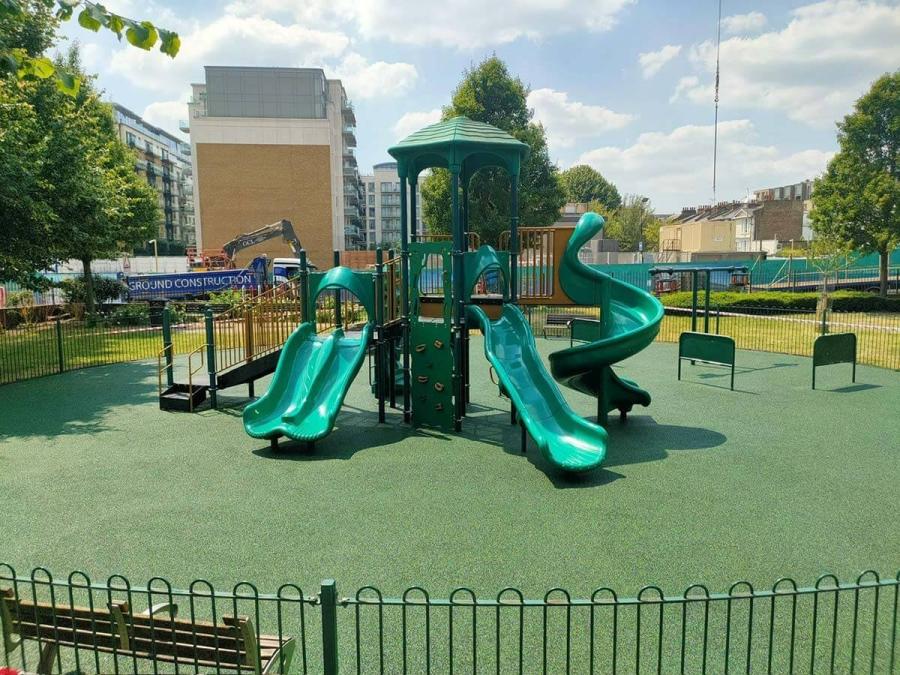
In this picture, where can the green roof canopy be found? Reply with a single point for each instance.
(458, 143)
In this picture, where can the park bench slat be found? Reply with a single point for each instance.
(231, 644)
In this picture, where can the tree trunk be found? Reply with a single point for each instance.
(88, 287)
(884, 257)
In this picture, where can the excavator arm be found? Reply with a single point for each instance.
(283, 228)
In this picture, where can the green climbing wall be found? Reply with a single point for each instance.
(432, 356)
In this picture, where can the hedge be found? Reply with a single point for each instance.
(842, 301)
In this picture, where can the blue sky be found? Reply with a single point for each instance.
(624, 85)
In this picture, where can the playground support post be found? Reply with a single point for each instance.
(304, 286)
(413, 233)
(338, 319)
(694, 277)
(459, 307)
(211, 357)
(706, 302)
(380, 369)
(514, 238)
(167, 345)
(404, 296)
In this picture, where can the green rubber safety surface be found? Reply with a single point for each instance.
(708, 485)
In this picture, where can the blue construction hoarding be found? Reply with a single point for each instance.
(171, 286)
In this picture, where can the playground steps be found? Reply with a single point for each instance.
(249, 371)
(182, 397)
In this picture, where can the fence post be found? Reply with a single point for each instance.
(211, 357)
(59, 345)
(167, 344)
(328, 598)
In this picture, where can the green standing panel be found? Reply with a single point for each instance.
(835, 348)
(708, 348)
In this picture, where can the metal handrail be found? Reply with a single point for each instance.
(192, 371)
(160, 355)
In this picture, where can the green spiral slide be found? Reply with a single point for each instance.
(314, 372)
(629, 321)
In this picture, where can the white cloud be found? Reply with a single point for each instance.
(675, 168)
(167, 114)
(686, 84)
(652, 62)
(229, 40)
(465, 24)
(363, 79)
(259, 41)
(568, 121)
(413, 121)
(737, 24)
(812, 70)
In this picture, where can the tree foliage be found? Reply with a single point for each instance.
(857, 200)
(68, 188)
(27, 28)
(583, 183)
(488, 93)
(634, 221)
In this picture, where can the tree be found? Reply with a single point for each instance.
(84, 199)
(24, 31)
(857, 200)
(583, 183)
(488, 93)
(633, 222)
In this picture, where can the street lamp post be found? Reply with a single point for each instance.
(644, 201)
(155, 255)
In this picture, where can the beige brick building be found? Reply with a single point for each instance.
(273, 143)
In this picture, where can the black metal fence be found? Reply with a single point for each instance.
(52, 344)
(67, 341)
(827, 627)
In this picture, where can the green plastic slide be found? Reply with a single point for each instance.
(629, 322)
(309, 385)
(568, 441)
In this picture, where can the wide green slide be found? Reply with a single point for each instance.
(310, 382)
(568, 441)
(314, 371)
(629, 322)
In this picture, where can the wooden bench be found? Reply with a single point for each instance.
(556, 321)
(155, 634)
(718, 350)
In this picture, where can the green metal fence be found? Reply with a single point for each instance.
(759, 328)
(827, 627)
(50, 344)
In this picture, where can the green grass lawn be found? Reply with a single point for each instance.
(705, 485)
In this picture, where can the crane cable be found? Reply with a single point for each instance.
(716, 120)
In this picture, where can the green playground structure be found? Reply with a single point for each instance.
(422, 304)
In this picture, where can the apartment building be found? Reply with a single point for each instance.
(165, 163)
(382, 205)
(742, 227)
(273, 143)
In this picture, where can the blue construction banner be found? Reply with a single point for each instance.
(170, 286)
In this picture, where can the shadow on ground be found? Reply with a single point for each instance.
(91, 395)
(355, 430)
